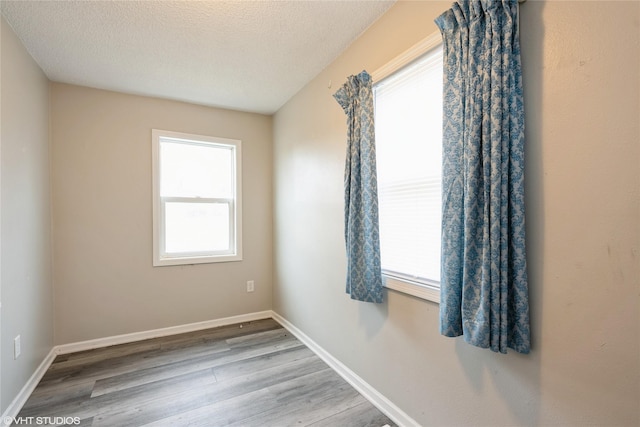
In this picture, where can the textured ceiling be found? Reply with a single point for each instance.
(243, 55)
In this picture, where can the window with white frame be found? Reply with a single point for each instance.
(197, 203)
(408, 126)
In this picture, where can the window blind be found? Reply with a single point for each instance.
(408, 120)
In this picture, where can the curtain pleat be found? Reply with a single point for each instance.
(362, 238)
(484, 290)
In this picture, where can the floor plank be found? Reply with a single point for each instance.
(250, 374)
(362, 415)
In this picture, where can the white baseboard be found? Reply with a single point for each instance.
(16, 405)
(371, 394)
(155, 333)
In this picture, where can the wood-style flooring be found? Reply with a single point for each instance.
(254, 374)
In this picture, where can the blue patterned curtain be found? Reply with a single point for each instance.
(364, 274)
(484, 294)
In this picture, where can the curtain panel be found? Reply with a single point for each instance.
(484, 290)
(362, 238)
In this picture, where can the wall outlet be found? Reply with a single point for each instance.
(250, 286)
(16, 347)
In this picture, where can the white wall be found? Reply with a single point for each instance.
(105, 283)
(26, 216)
(581, 80)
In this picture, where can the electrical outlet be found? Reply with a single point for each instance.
(250, 286)
(16, 347)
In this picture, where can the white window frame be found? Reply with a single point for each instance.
(160, 258)
(430, 290)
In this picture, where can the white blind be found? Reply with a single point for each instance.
(408, 120)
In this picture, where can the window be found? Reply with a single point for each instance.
(408, 121)
(197, 206)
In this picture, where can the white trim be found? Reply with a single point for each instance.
(155, 333)
(16, 405)
(14, 408)
(370, 393)
(411, 54)
(387, 407)
(414, 289)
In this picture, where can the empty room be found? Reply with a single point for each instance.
(320, 213)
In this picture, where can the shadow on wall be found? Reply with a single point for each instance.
(516, 377)
(372, 317)
(531, 41)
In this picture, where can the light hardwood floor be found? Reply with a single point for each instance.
(254, 374)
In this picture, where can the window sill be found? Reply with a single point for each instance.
(160, 262)
(412, 288)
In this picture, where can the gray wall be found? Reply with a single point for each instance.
(581, 86)
(26, 216)
(105, 283)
